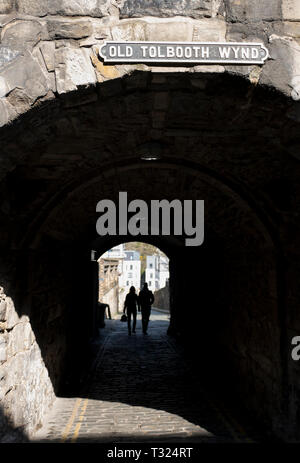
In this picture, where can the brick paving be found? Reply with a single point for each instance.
(140, 389)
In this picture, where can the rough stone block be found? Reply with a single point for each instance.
(6, 6)
(73, 68)
(215, 68)
(2, 303)
(213, 30)
(89, 42)
(20, 339)
(27, 74)
(12, 317)
(238, 32)
(6, 18)
(102, 29)
(50, 76)
(108, 72)
(33, 7)
(48, 50)
(7, 55)
(166, 8)
(173, 31)
(292, 29)
(3, 347)
(27, 388)
(20, 34)
(216, 7)
(97, 8)
(129, 30)
(71, 30)
(283, 73)
(254, 10)
(291, 10)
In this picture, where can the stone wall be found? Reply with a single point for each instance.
(36, 304)
(52, 47)
(109, 283)
(112, 299)
(26, 391)
(162, 298)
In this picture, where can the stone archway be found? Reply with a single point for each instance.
(71, 132)
(53, 48)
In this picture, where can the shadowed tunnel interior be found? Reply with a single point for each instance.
(233, 299)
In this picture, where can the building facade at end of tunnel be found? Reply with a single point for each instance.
(72, 132)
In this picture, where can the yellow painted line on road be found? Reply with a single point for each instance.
(70, 422)
(78, 425)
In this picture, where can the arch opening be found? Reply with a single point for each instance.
(227, 301)
(133, 264)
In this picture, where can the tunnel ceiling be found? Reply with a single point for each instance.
(220, 137)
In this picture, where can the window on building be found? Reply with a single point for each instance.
(151, 275)
(151, 265)
(127, 283)
(131, 267)
(150, 283)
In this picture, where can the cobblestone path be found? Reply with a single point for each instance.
(139, 390)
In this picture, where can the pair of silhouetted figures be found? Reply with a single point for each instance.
(142, 303)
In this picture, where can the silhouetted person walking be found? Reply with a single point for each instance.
(131, 304)
(146, 299)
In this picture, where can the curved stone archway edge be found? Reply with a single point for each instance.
(52, 48)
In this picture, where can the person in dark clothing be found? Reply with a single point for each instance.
(131, 305)
(146, 299)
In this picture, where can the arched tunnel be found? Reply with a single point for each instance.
(234, 299)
